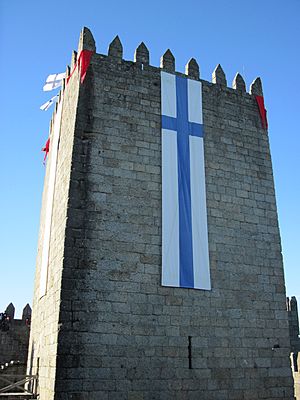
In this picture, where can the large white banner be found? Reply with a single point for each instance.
(185, 257)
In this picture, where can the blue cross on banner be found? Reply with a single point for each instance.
(185, 260)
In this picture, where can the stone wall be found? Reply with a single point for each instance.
(296, 375)
(42, 355)
(292, 309)
(14, 339)
(106, 328)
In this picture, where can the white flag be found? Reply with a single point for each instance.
(49, 103)
(54, 81)
(185, 256)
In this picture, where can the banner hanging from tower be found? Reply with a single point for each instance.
(185, 258)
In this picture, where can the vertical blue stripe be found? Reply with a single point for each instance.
(184, 186)
(184, 129)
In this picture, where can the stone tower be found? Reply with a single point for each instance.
(103, 326)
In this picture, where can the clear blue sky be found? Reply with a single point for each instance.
(256, 38)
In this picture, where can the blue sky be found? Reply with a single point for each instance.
(255, 38)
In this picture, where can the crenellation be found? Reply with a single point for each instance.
(192, 69)
(115, 49)
(239, 83)
(68, 71)
(256, 87)
(73, 59)
(167, 61)
(26, 314)
(60, 94)
(10, 310)
(14, 342)
(218, 76)
(141, 54)
(86, 41)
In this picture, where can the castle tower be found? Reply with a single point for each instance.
(108, 322)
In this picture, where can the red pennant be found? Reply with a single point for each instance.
(82, 63)
(46, 149)
(262, 111)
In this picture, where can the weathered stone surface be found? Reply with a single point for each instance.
(218, 76)
(115, 49)
(14, 340)
(73, 59)
(167, 61)
(239, 83)
(141, 54)
(106, 328)
(292, 309)
(26, 312)
(192, 69)
(86, 41)
(256, 87)
(10, 310)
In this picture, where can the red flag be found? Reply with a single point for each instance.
(83, 62)
(262, 111)
(46, 149)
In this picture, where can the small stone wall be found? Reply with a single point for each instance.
(14, 341)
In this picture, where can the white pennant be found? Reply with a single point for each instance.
(48, 104)
(54, 81)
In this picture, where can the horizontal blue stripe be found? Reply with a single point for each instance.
(196, 129)
(170, 123)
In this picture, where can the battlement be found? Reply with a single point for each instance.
(141, 61)
(292, 309)
(14, 336)
(167, 63)
(26, 313)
